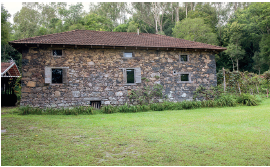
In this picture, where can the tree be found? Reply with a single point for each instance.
(151, 13)
(258, 61)
(207, 13)
(97, 23)
(4, 25)
(121, 28)
(195, 30)
(7, 52)
(265, 48)
(4, 33)
(236, 53)
(73, 15)
(116, 11)
(132, 27)
(26, 23)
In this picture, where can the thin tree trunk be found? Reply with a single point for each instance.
(267, 91)
(186, 9)
(259, 70)
(257, 88)
(232, 64)
(172, 10)
(237, 63)
(239, 88)
(224, 80)
(177, 13)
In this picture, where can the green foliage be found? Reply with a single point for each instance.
(4, 25)
(226, 100)
(80, 110)
(157, 107)
(265, 48)
(247, 99)
(206, 12)
(97, 23)
(17, 89)
(146, 95)
(121, 28)
(207, 94)
(109, 109)
(195, 30)
(132, 27)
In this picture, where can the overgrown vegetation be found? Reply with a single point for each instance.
(146, 95)
(81, 110)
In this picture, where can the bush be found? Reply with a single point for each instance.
(225, 100)
(247, 99)
(25, 110)
(156, 107)
(108, 109)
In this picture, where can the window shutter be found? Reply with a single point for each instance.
(65, 71)
(63, 53)
(138, 75)
(124, 75)
(48, 75)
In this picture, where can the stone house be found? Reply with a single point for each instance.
(83, 67)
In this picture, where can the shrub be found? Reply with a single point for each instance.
(156, 107)
(108, 109)
(225, 100)
(25, 110)
(247, 99)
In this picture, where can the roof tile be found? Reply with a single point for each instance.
(87, 37)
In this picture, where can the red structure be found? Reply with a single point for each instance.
(9, 75)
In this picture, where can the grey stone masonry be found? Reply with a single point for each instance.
(100, 75)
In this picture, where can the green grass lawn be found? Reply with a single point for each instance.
(208, 136)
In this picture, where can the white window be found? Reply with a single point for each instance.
(127, 54)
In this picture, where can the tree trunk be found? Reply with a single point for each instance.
(186, 9)
(237, 63)
(172, 10)
(177, 13)
(259, 70)
(257, 88)
(267, 91)
(232, 64)
(224, 80)
(239, 88)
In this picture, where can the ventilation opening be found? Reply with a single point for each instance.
(95, 104)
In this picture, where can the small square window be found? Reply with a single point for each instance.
(57, 52)
(57, 76)
(127, 54)
(184, 58)
(184, 77)
(130, 76)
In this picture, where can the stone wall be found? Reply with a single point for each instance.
(97, 74)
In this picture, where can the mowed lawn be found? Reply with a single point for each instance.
(208, 136)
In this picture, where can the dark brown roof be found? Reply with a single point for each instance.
(105, 38)
(10, 68)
